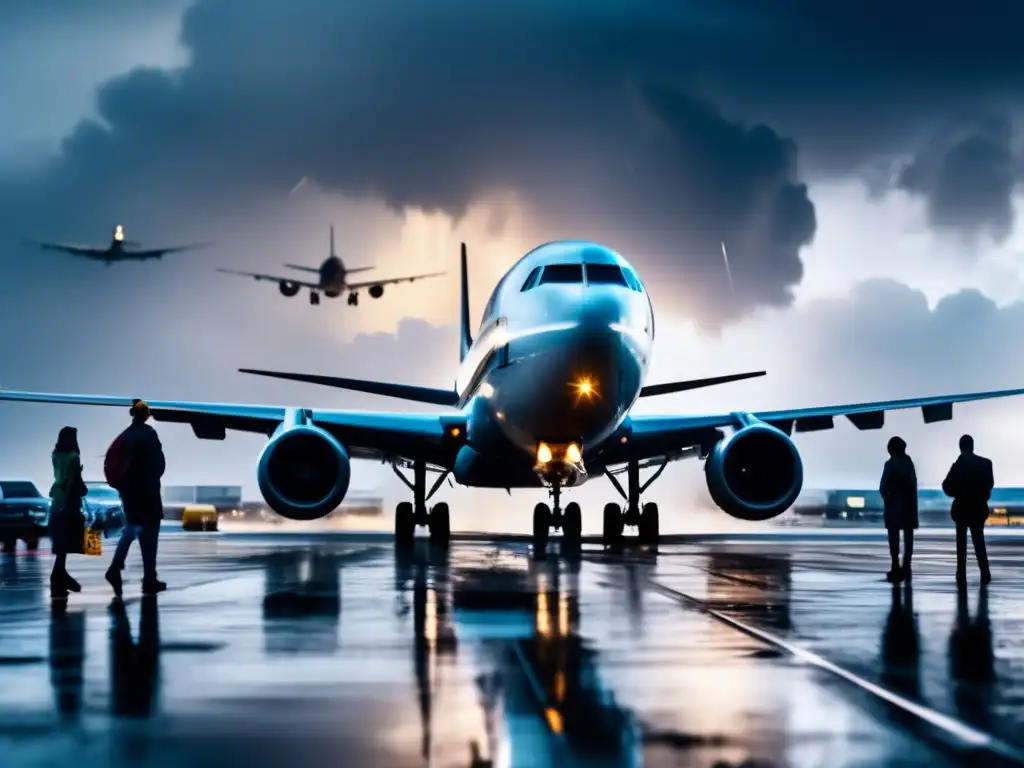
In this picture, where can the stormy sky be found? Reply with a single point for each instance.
(861, 161)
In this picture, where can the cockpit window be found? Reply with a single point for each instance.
(562, 273)
(605, 274)
(532, 280)
(633, 281)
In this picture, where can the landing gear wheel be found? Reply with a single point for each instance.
(541, 526)
(32, 545)
(405, 524)
(649, 524)
(314, 298)
(353, 299)
(440, 525)
(8, 546)
(572, 524)
(612, 529)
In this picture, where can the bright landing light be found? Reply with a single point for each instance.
(585, 388)
(119, 233)
(572, 453)
(543, 453)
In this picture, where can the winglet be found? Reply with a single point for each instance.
(467, 336)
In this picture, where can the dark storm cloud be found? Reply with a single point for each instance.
(967, 174)
(658, 127)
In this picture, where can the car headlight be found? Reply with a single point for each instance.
(38, 513)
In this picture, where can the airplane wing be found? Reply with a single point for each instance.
(157, 253)
(89, 251)
(389, 280)
(272, 278)
(365, 434)
(672, 437)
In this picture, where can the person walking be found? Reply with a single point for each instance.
(67, 524)
(969, 483)
(899, 496)
(134, 465)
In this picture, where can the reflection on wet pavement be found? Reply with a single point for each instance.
(270, 653)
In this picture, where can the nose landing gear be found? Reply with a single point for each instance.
(353, 299)
(545, 518)
(645, 518)
(314, 298)
(408, 515)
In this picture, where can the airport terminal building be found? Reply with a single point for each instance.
(1006, 504)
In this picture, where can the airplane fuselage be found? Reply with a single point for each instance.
(560, 358)
(332, 277)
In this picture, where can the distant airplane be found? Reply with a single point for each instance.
(118, 250)
(332, 279)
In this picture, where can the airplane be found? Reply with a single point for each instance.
(118, 250)
(543, 398)
(332, 279)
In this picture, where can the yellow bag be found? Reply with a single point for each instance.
(93, 543)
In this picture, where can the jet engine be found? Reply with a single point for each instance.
(288, 288)
(376, 291)
(303, 472)
(755, 473)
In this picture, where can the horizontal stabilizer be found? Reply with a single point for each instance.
(350, 270)
(400, 391)
(682, 386)
(314, 270)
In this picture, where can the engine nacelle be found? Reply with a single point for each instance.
(303, 472)
(755, 473)
(288, 288)
(376, 291)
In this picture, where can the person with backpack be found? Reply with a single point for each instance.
(133, 466)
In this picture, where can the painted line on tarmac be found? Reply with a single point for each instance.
(966, 734)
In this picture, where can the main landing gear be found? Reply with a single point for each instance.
(353, 299)
(644, 518)
(410, 514)
(545, 518)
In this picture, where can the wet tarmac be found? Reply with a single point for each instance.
(720, 652)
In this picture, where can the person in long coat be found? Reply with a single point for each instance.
(899, 496)
(67, 523)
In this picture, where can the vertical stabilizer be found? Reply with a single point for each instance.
(332, 240)
(466, 333)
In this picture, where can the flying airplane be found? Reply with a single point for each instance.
(332, 279)
(118, 250)
(543, 398)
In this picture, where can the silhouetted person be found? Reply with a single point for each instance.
(140, 496)
(969, 483)
(67, 524)
(899, 494)
(972, 661)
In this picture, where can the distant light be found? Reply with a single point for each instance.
(572, 453)
(119, 233)
(543, 453)
(855, 502)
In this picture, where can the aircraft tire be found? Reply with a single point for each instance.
(572, 523)
(405, 525)
(611, 531)
(541, 527)
(440, 524)
(649, 524)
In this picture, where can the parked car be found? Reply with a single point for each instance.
(103, 508)
(24, 514)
